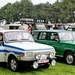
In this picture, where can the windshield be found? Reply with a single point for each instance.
(67, 36)
(18, 36)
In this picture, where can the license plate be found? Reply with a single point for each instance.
(43, 61)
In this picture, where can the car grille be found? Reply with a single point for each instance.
(43, 53)
(32, 54)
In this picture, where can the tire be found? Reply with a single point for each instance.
(69, 58)
(13, 64)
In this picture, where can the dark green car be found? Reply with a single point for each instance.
(64, 43)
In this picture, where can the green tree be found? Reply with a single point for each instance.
(67, 9)
(60, 11)
(27, 8)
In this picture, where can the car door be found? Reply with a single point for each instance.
(55, 43)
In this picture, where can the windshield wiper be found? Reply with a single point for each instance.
(13, 40)
(24, 39)
(27, 40)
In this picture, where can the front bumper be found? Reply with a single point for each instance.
(37, 63)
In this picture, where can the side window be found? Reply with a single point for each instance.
(54, 36)
(42, 36)
(35, 35)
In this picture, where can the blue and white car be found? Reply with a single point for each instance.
(18, 47)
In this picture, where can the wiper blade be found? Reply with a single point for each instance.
(27, 40)
(13, 40)
(24, 39)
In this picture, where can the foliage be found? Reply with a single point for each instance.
(60, 11)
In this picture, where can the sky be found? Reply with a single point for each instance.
(4, 2)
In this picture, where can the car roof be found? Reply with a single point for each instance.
(51, 31)
(3, 31)
(13, 24)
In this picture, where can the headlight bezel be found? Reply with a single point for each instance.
(52, 54)
(37, 56)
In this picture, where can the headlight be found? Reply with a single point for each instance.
(35, 65)
(38, 56)
(29, 54)
(52, 54)
(53, 62)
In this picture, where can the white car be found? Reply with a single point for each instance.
(18, 47)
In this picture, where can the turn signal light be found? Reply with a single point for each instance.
(21, 55)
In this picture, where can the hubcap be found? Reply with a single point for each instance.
(13, 64)
(69, 59)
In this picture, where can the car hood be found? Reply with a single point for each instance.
(29, 46)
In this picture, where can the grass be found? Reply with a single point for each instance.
(59, 69)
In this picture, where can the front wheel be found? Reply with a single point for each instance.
(13, 64)
(69, 58)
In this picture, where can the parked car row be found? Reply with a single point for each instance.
(63, 41)
(40, 48)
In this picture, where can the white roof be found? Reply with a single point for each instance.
(13, 24)
(11, 30)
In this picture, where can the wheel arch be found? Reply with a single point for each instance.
(66, 51)
(10, 56)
